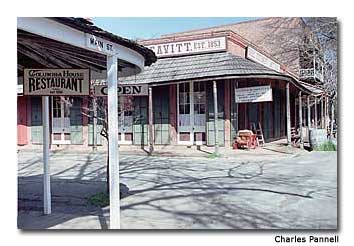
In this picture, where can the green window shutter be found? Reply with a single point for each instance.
(276, 100)
(76, 122)
(252, 114)
(161, 115)
(98, 134)
(140, 121)
(267, 121)
(36, 121)
(210, 114)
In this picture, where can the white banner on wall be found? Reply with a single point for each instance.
(124, 90)
(253, 94)
(189, 47)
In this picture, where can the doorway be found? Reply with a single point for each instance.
(61, 120)
(191, 113)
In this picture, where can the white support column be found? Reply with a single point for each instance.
(315, 126)
(114, 202)
(322, 112)
(94, 126)
(215, 93)
(47, 199)
(332, 118)
(288, 122)
(300, 122)
(151, 130)
(308, 112)
(326, 113)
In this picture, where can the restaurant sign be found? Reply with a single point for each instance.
(56, 82)
(256, 56)
(124, 90)
(253, 94)
(189, 47)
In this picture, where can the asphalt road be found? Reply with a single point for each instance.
(296, 192)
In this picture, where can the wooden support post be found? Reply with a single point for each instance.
(322, 113)
(288, 123)
(308, 112)
(47, 199)
(215, 93)
(236, 108)
(300, 122)
(113, 152)
(332, 118)
(151, 130)
(327, 112)
(94, 126)
(315, 126)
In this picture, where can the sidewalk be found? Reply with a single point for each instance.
(270, 150)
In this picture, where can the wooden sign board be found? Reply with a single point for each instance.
(189, 47)
(124, 90)
(253, 94)
(56, 82)
(258, 57)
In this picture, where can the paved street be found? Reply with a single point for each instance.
(282, 192)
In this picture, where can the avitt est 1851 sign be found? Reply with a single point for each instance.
(189, 47)
(56, 82)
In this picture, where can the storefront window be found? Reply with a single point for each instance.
(184, 104)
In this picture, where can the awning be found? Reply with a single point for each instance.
(211, 66)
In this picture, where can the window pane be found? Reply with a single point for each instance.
(181, 109)
(187, 109)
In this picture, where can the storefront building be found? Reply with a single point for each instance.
(172, 101)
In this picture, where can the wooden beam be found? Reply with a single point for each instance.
(32, 55)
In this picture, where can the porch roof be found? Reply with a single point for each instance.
(206, 67)
(198, 66)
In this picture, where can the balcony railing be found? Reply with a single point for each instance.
(311, 73)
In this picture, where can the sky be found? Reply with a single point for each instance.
(153, 27)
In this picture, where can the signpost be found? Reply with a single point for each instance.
(253, 94)
(53, 82)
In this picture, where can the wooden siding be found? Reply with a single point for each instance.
(36, 121)
(22, 138)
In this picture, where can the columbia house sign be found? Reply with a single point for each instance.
(124, 90)
(47, 82)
